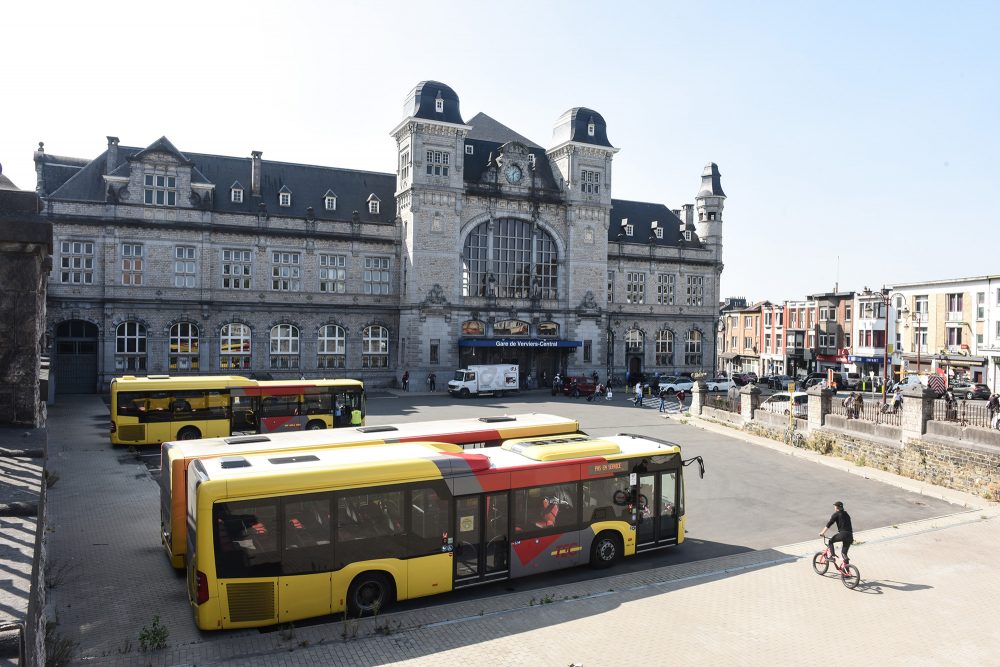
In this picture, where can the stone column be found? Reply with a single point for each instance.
(749, 401)
(698, 393)
(820, 399)
(918, 409)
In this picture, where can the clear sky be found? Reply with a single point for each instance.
(858, 134)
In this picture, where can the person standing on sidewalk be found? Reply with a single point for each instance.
(680, 396)
(406, 380)
(638, 394)
(433, 378)
(663, 400)
(845, 531)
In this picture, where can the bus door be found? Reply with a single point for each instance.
(657, 510)
(244, 413)
(481, 543)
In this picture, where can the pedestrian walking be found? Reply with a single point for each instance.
(680, 396)
(406, 380)
(993, 406)
(848, 404)
(897, 400)
(638, 394)
(663, 400)
(859, 405)
(433, 380)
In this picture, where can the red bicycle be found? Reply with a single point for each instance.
(849, 574)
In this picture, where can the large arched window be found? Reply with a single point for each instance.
(664, 347)
(692, 349)
(332, 350)
(184, 347)
(510, 259)
(511, 328)
(130, 347)
(284, 346)
(375, 347)
(633, 340)
(234, 347)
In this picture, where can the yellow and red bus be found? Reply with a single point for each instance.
(158, 408)
(175, 457)
(279, 538)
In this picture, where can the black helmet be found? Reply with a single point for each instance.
(839, 505)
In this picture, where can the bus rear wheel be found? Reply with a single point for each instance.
(189, 433)
(370, 593)
(315, 425)
(606, 550)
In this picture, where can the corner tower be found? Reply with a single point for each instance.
(710, 201)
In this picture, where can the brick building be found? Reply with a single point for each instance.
(481, 247)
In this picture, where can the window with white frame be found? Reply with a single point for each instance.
(767, 318)
(590, 182)
(285, 271)
(633, 340)
(664, 347)
(996, 334)
(666, 284)
(469, 149)
(591, 129)
(284, 346)
(284, 199)
(658, 232)
(629, 228)
(954, 336)
(531, 160)
(332, 347)
(696, 290)
(767, 342)
(333, 274)
(847, 312)
(184, 347)
(404, 166)
(130, 347)
(777, 341)
(954, 306)
(376, 275)
(236, 268)
(160, 190)
(692, 349)
(185, 269)
(236, 195)
(847, 340)
(981, 305)
(76, 262)
(234, 347)
(437, 163)
(373, 205)
(635, 287)
(811, 340)
(824, 314)
(439, 105)
(919, 339)
(330, 202)
(747, 321)
(375, 347)
(131, 264)
(920, 306)
(611, 286)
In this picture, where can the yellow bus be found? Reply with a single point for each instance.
(175, 457)
(158, 408)
(279, 538)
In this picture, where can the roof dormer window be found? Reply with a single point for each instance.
(591, 128)
(687, 234)
(628, 230)
(330, 201)
(236, 193)
(659, 232)
(531, 160)
(285, 197)
(469, 149)
(373, 204)
(439, 103)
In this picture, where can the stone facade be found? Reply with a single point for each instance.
(25, 260)
(481, 247)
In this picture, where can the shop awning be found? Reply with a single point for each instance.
(507, 343)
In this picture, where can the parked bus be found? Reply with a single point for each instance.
(154, 409)
(275, 539)
(175, 457)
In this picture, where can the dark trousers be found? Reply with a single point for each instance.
(847, 539)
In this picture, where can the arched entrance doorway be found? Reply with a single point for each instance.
(76, 357)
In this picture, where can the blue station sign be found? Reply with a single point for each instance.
(518, 342)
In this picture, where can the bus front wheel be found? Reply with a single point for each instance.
(370, 593)
(606, 550)
(189, 433)
(315, 425)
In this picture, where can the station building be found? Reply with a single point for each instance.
(481, 247)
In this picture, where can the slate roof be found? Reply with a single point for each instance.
(641, 215)
(572, 126)
(308, 183)
(56, 169)
(487, 137)
(420, 103)
(489, 129)
(711, 181)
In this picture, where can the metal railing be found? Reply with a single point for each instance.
(722, 403)
(871, 411)
(966, 413)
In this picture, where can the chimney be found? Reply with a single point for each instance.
(255, 173)
(111, 162)
(688, 218)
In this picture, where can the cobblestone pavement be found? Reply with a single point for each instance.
(925, 586)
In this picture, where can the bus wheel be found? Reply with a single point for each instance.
(606, 550)
(189, 433)
(315, 425)
(370, 593)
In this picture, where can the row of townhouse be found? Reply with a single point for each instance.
(940, 326)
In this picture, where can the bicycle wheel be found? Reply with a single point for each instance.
(820, 563)
(852, 578)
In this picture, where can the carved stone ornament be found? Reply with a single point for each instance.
(588, 303)
(436, 297)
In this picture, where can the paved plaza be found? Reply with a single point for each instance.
(928, 582)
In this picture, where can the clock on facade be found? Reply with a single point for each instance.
(513, 173)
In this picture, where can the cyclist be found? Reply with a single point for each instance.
(845, 532)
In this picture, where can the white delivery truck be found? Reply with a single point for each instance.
(475, 380)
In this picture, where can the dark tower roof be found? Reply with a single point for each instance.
(711, 182)
(421, 103)
(572, 126)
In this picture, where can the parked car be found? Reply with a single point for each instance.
(719, 384)
(852, 381)
(577, 385)
(675, 383)
(779, 403)
(779, 381)
(978, 392)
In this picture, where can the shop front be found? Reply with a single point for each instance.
(834, 362)
(962, 367)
